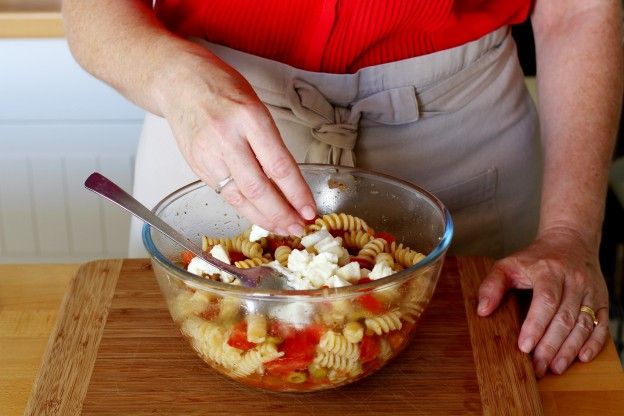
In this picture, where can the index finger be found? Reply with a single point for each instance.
(279, 165)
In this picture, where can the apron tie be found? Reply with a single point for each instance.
(335, 128)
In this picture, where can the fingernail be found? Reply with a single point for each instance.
(281, 231)
(560, 365)
(483, 304)
(527, 345)
(308, 212)
(586, 355)
(296, 229)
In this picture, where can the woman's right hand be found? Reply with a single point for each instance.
(223, 129)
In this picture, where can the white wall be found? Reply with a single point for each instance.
(58, 124)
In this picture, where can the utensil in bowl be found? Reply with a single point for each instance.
(263, 277)
(302, 340)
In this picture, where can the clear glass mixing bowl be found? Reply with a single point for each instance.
(292, 356)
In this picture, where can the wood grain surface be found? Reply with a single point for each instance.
(62, 382)
(497, 358)
(143, 366)
(30, 297)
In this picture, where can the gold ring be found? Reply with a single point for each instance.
(589, 311)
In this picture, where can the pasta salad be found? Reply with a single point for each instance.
(304, 346)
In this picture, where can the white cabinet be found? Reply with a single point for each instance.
(57, 124)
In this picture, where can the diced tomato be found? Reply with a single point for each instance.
(364, 263)
(371, 303)
(236, 256)
(299, 350)
(386, 236)
(369, 349)
(337, 233)
(280, 330)
(186, 258)
(364, 280)
(238, 337)
(285, 365)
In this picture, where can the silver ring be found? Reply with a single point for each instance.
(222, 184)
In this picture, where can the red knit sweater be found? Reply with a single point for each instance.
(339, 36)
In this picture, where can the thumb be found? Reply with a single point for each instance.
(492, 290)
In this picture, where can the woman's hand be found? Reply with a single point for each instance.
(564, 274)
(223, 129)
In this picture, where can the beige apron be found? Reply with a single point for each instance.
(458, 122)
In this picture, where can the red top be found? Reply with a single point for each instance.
(339, 36)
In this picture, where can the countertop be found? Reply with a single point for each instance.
(30, 19)
(30, 296)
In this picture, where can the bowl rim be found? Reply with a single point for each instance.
(202, 283)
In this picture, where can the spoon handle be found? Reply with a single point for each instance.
(108, 189)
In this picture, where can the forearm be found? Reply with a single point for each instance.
(123, 44)
(579, 58)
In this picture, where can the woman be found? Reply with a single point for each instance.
(430, 91)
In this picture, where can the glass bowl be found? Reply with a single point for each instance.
(309, 339)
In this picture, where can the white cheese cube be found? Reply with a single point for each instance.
(257, 233)
(349, 272)
(311, 239)
(380, 270)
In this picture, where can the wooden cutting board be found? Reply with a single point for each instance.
(116, 351)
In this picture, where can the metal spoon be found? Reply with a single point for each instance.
(261, 277)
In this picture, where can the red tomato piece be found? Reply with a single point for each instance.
(369, 349)
(299, 350)
(280, 330)
(371, 303)
(285, 365)
(364, 263)
(364, 280)
(337, 233)
(238, 337)
(236, 256)
(386, 236)
(186, 258)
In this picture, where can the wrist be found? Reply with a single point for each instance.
(590, 239)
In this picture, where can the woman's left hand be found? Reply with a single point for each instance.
(564, 273)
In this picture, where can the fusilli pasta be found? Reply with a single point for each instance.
(332, 342)
(339, 221)
(381, 324)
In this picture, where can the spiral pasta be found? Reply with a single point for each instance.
(386, 258)
(338, 344)
(356, 239)
(253, 262)
(411, 310)
(238, 243)
(372, 249)
(252, 361)
(281, 254)
(336, 362)
(407, 257)
(339, 221)
(381, 324)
